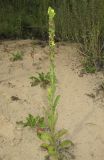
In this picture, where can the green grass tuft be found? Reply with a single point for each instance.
(18, 55)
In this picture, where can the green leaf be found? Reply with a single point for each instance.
(45, 146)
(46, 137)
(51, 150)
(41, 123)
(56, 102)
(52, 119)
(30, 121)
(66, 144)
(60, 133)
(41, 76)
(37, 119)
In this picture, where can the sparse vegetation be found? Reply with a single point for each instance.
(92, 48)
(56, 146)
(18, 55)
(33, 122)
(42, 79)
(88, 66)
(81, 25)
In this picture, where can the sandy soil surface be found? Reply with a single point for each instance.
(80, 110)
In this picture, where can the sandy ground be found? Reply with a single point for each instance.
(82, 115)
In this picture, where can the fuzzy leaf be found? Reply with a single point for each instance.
(45, 146)
(41, 123)
(56, 102)
(51, 151)
(46, 137)
(60, 133)
(66, 144)
(52, 119)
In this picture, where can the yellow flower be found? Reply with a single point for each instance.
(51, 12)
(53, 43)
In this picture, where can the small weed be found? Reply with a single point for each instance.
(18, 55)
(33, 122)
(42, 79)
(89, 66)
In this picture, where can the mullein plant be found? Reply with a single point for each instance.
(56, 147)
